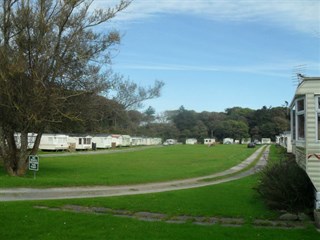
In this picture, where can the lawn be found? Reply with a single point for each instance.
(232, 199)
(22, 221)
(116, 168)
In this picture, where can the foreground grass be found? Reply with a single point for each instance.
(231, 199)
(149, 165)
(20, 220)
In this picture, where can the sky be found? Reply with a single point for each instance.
(218, 54)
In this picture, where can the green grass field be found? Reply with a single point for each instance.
(149, 165)
(208, 201)
(20, 220)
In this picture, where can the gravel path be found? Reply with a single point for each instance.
(18, 194)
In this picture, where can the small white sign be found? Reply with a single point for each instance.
(33, 162)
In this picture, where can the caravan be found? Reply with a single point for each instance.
(102, 141)
(54, 142)
(305, 129)
(80, 142)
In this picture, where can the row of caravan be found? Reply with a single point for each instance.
(56, 142)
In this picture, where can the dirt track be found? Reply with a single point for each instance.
(19, 194)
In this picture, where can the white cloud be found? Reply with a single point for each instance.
(280, 69)
(301, 15)
(168, 67)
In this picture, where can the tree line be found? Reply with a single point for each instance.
(235, 122)
(102, 115)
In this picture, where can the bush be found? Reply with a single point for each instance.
(285, 186)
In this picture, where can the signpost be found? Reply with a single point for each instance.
(34, 164)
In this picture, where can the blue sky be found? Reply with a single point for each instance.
(218, 54)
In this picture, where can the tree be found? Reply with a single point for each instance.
(185, 119)
(268, 122)
(239, 114)
(232, 128)
(131, 96)
(211, 121)
(162, 130)
(199, 131)
(135, 119)
(96, 114)
(49, 56)
(149, 114)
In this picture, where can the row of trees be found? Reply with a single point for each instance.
(180, 124)
(235, 122)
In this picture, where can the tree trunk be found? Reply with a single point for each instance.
(22, 161)
(15, 158)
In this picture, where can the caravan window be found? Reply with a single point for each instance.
(300, 104)
(298, 119)
(293, 122)
(80, 140)
(87, 141)
(301, 124)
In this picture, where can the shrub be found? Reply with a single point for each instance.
(285, 186)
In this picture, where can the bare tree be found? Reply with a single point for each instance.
(131, 95)
(49, 54)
